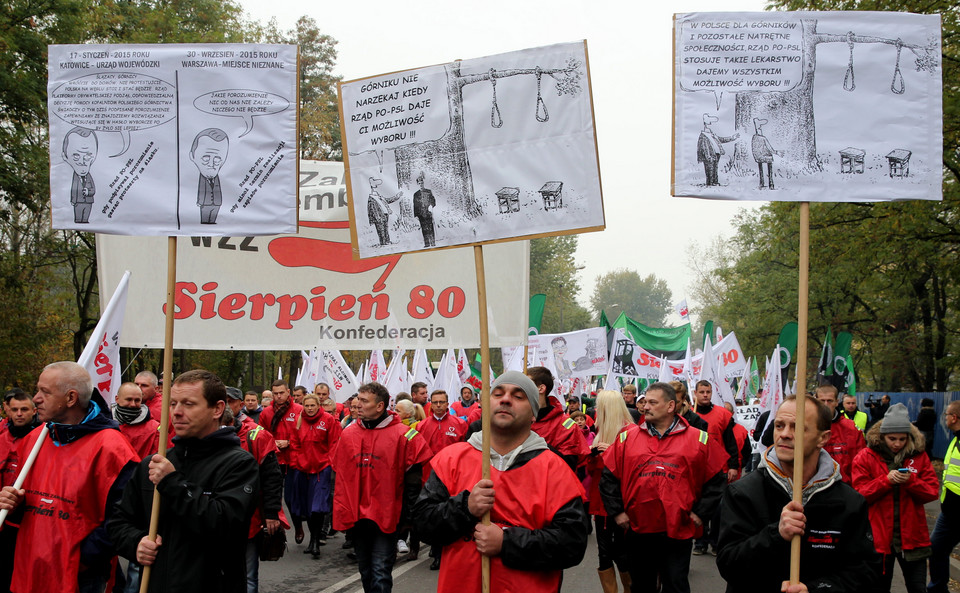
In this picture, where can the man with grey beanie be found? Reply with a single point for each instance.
(538, 521)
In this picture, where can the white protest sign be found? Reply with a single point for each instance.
(580, 353)
(632, 360)
(808, 106)
(173, 139)
(478, 150)
(730, 356)
(306, 290)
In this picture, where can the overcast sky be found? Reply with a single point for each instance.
(631, 75)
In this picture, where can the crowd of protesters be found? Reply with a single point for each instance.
(658, 476)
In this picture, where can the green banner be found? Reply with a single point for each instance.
(537, 303)
(659, 341)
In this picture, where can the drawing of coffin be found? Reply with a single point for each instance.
(552, 192)
(899, 160)
(509, 199)
(851, 160)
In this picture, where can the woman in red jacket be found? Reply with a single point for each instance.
(316, 433)
(612, 417)
(895, 476)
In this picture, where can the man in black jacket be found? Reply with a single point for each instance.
(208, 490)
(758, 517)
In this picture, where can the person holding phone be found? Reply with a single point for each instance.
(894, 474)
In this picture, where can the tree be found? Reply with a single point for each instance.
(445, 159)
(647, 300)
(553, 272)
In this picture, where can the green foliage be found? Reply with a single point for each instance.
(553, 272)
(647, 300)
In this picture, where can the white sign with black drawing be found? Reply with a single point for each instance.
(472, 151)
(173, 139)
(808, 106)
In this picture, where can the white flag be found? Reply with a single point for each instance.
(463, 367)
(730, 356)
(101, 356)
(422, 373)
(515, 360)
(343, 383)
(395, 379)
(682, 310)
(376, 369)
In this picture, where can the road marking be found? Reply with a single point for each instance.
(396, 573)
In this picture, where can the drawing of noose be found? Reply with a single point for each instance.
(849, 83)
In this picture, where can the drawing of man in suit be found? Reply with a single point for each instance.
(79, 151)
(208, 153)
(710, 148)
(423, 205)
(378, 210)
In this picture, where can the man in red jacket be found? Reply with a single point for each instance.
(659, 483)
(136, 421)
(846, 440)
(21, 420)
(72, 489)
(441, 429)
(152, 397)
(538, 522)
(723, 450)
(379, 464)
(280, 418)
(554, 425)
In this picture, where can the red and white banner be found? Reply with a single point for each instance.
(306, 290)
(101, 356)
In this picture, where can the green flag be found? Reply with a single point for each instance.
(537, 303)
(788, 348)
(707, 333)
(670, 342)
(841, 360)
(604, 322)
(825, 368)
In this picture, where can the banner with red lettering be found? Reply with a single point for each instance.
(628, 359)
(101, 356)
(306, 290)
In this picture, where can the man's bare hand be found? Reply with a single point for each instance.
(489, 539)
(786, 587)
(622, 521)
(480, 500)
(272, 526)
(159, 467)
(792, 520)
(10, 497)
(147, 550)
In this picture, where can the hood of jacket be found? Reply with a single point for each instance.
(533, 442)
(225, 436)
(916, 443)
(828, 473)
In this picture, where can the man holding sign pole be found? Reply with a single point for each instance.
(72, 489)
(758, 519)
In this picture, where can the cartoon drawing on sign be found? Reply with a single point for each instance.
(762, 151)
(378, 210)
(474, 129)
(710, 148)
(423, 205)
(749, 68)
(208, 153)
(79, 151)
(623, 359)
(564, 370)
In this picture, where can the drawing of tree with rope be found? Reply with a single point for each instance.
(445, 159)
(792, 113)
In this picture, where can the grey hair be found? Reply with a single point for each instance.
(72, 376)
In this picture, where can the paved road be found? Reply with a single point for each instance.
(335, 573)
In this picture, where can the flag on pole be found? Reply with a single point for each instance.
(787, 344)
(101, 355)
(841, 353)
(682, 310)
(422, 373)
(376, 368)
(396, 375)
(825, 368)
(343, 383)
(463, 366)
(537, 304)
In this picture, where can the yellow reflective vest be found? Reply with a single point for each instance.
(951, 470)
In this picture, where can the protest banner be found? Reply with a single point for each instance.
(173, 139)
(891, 150)
(306, 290)
(101, 355)
(764, 106)
(629, 359)
(472, 151)
(190, 108)
(477, 180)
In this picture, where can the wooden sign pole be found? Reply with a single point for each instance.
(484, 397)
(801, 381)
(165, 405)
